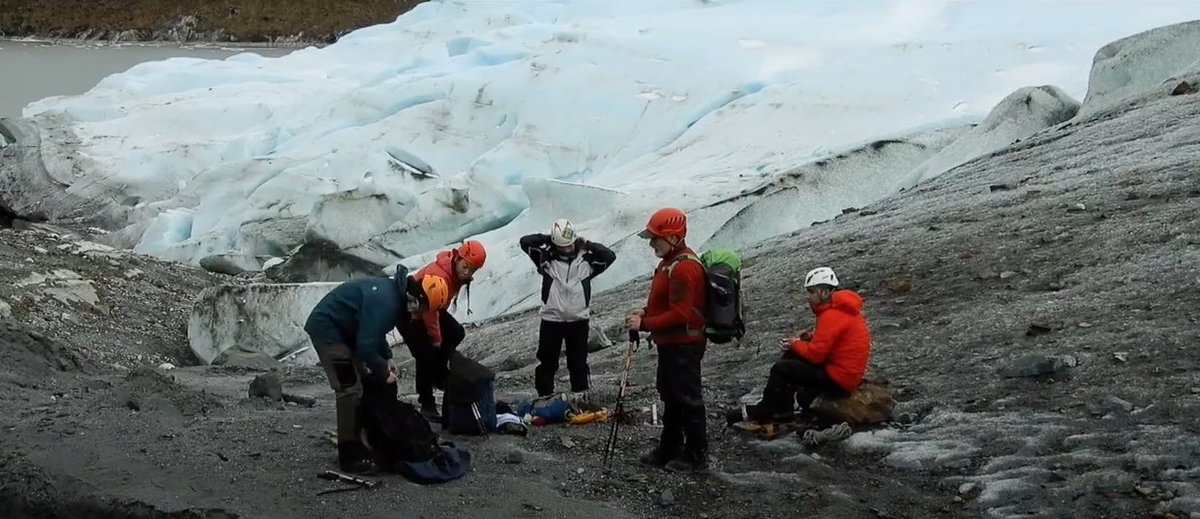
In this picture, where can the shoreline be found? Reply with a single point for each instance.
(193, 44)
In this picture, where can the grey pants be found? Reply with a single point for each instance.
(344, 371)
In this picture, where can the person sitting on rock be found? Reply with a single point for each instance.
(567, 263)
(832, 358)
(434, 340)
(349, 328)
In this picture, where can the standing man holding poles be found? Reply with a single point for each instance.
(674, 316)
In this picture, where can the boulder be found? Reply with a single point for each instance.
(239, 358)
(274, 237)
(322, 261)
(263, 318)
(233, 263)
(266, 385)
(871, 403)
(597, 339)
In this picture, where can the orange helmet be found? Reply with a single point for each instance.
(473, 252)
(437, 292)
(665, 223)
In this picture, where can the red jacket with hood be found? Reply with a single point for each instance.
(442, 267)
(675, 307)
(841, 340)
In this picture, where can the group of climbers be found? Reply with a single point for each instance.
(349, 327)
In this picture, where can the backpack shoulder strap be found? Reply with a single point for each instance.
(682, 257)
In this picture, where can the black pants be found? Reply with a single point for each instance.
(684, 423)
(792, 379)
(551, 337)
(432, 364)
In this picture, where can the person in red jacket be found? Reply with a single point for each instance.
(674, 316)
(434, 334)
(831, 358)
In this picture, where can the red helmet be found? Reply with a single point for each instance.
(473, 252)
(666, 223)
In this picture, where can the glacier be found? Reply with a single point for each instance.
(491, 119)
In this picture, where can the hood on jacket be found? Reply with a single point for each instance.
(401, 279)
(847, 301)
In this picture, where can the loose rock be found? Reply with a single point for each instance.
(1184, 88)
(266, 385)
(667, 498)
(1114, 404)
(1038, 364)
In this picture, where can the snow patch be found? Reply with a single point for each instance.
(1020, 115)
(1131, 66)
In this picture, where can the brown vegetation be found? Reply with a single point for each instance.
(221, 20)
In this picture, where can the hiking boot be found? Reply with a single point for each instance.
(353, 459)
(431, 413)
(689, 462)
(749, 414)
(656, 458)
(736, 415)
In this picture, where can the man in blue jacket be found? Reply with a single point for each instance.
(349, 328)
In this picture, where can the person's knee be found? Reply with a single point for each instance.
(353, 392)
(782, 367)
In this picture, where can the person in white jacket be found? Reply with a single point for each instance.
(567, 263)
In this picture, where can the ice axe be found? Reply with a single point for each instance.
(619, 407)
(338, 476)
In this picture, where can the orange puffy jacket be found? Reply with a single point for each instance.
(442, 267)
(841, 341)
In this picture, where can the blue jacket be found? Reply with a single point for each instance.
(359, 313)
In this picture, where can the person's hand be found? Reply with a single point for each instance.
(806, 335)
(393, 372)
(437, 345)
(639, 312)
(785, 343)
(633, 322)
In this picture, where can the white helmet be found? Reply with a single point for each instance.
(562, 233)
(820, 276)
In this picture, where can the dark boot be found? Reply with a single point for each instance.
(353, 459)
(690, 461)
(750, 413)
(658, 457)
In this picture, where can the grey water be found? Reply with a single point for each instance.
(33, 70)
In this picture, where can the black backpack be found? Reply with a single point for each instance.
(469, 403)
(723, 313)
(398, 434)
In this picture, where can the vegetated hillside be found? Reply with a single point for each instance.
(195, 20)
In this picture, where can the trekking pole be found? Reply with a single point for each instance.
(619, 407)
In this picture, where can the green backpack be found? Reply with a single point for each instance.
(723, 313)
